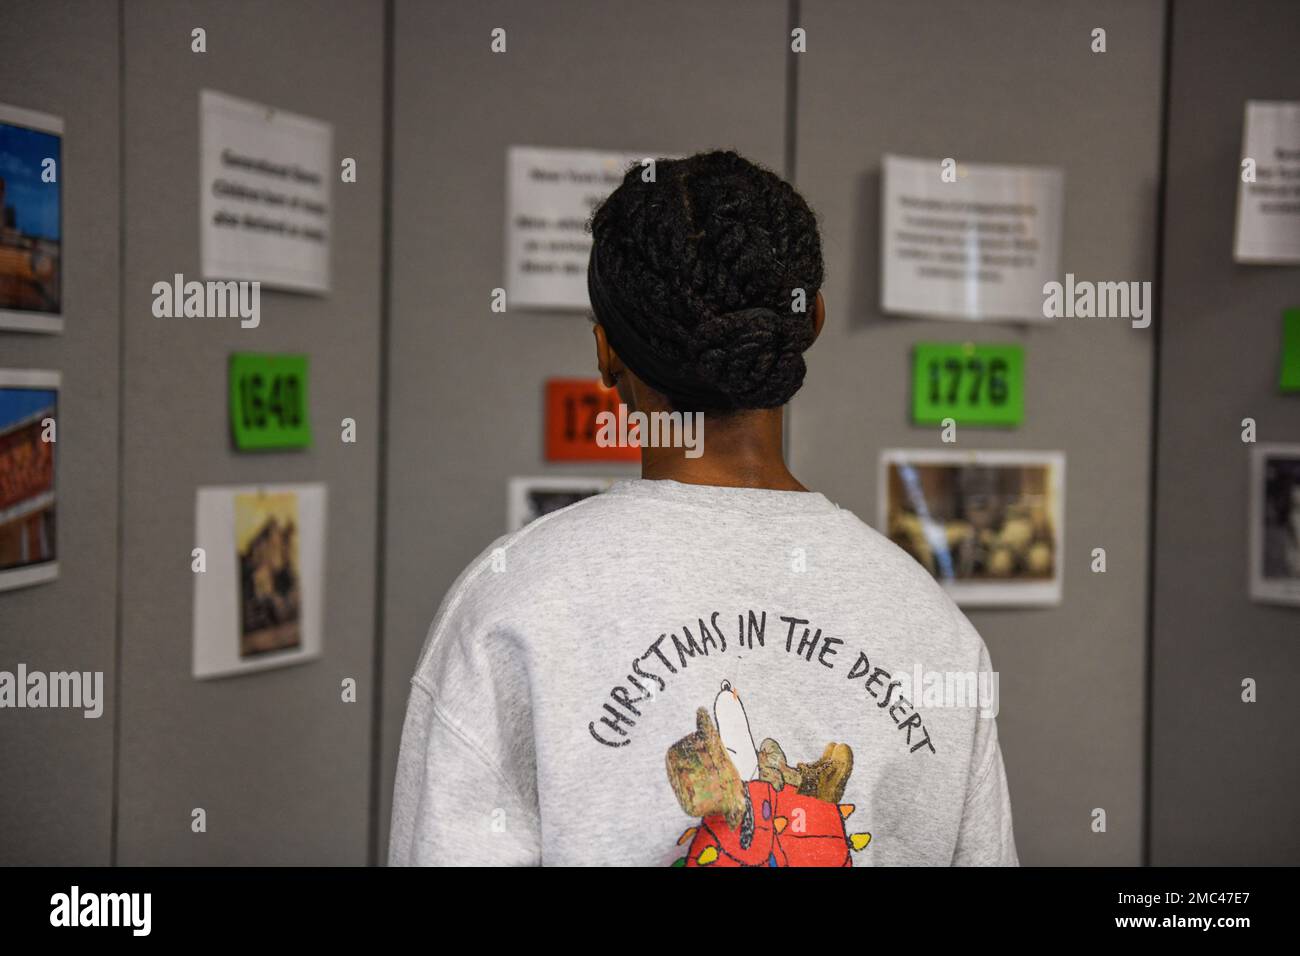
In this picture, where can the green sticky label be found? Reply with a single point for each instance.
(969, 383)
(1290, 381)
(268, 401)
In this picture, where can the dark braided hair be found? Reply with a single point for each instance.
(704, 263)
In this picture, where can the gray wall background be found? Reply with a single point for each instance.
(277, 760)
(283, 768)
(56, 767)
(1006, 82)
(1225, 774)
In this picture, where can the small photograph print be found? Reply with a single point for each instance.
(1275, 524)
(259, 600)
(29, 408)
(270, 592)
(986, 525)
(31, 260)
(530, 498)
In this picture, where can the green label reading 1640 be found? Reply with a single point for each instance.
(268, 401)
(969, 383)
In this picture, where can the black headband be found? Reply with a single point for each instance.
(664, 374)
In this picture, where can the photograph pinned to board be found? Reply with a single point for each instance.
(988, 525)
(981, 246)
(259, 600)
(1275, 524)
(29, 411)
(529, 498)
(1268, 216)
(264, 194)
(550, 196)
(31, 220)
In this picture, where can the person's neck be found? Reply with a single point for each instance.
(743, 450)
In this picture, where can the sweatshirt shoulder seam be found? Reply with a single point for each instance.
(439, 625)
(989, 761)
(470, 744)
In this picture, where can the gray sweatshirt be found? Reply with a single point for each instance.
(672, 674)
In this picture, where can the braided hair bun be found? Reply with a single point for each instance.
(717, 264)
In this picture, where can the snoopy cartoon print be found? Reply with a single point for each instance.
(753, 807)
(733, 727)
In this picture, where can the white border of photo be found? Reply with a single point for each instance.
(216, 590)
(23, 320)
(30, 574)
(989, 593)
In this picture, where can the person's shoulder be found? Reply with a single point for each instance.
(579, 518)
(539, 550)
(898, 577)
(884, 557)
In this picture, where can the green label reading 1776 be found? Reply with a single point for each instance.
(268, 401)
(969, 383)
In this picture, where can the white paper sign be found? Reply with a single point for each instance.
(1268, 209)
(258, 598)
(264, 188)
(980, 247)
(550, 195)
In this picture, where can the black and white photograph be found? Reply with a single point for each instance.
(1275, 524)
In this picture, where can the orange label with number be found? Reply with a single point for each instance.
(572, 405)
